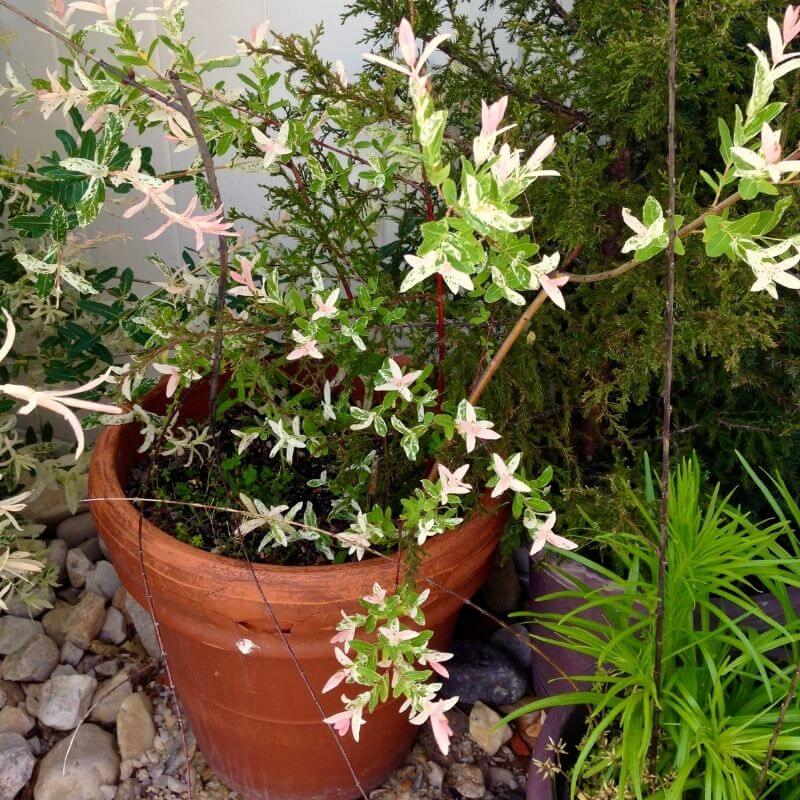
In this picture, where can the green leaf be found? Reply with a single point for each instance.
(58, 224)
(726, 141)
(78, 281)
(90, 204)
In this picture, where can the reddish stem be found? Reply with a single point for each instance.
(429, 214)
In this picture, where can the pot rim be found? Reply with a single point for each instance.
(104, 471)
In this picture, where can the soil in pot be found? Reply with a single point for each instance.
(256, 717)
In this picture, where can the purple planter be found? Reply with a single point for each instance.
(550, 663)
(565, 725)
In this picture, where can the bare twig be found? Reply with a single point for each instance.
(669, 335)
(773, 742)
(224, 266)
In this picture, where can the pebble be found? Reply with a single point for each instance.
(108, 698)
(481, 671)
(143, 623)
(86, 620)
(107, 669)
(55, 623)
(32, 693)
(76, 530)
(435, 774)
(91, 549)
(516, 642)
(502, 778)
(34, 661)
(485, 730)
(13, 693)
(466, 779)
(65, 700)
(15, 720)
(16, 765)
(114, 629)
(56, 557)
(15, 631)
(78, 567)
(103, 580)
(37, 603)
(48, 508)
(71, 654)
(136, 731)
(91, 764)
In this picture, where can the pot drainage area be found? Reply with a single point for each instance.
(85, 713)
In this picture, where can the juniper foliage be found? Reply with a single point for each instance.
(583, 390)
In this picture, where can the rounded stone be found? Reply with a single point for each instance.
(65, 700)
(78, 767)
(34, 661)
(16, 765)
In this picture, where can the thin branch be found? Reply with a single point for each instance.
(222, 282)
(482, 381)
(669, 336)
(773, 742)
(553, 106)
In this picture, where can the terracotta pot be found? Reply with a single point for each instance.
(552, 662)
(566, 725)
(254, 718)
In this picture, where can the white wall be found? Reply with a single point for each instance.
(214, 23)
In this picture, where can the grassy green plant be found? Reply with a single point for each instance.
(724, 678)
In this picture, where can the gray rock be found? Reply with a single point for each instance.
(88, 663)
(16, 765)
(76, 530)
(114, 630)
(78, 567)
(481, 671)
(14, 694)
(55, 623)
(92, 763)
(15, 720)
(64, 701)
(34, 661)
(143, 623)
(136, 731)
(86, 620)
(516, 642)
(15, 631)
(502, 778)
(107, 669)
(38, 602)
(91, 549)
(65, 669)
(109, 697)
(103, 580)
(71, 654)
(50, 507)
(466, 779)
(484, 729)
(104, 549)
(56, 557)
(32, 694)
(3, 698)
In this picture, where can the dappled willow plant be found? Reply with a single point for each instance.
(724, 670)
(328, 341)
